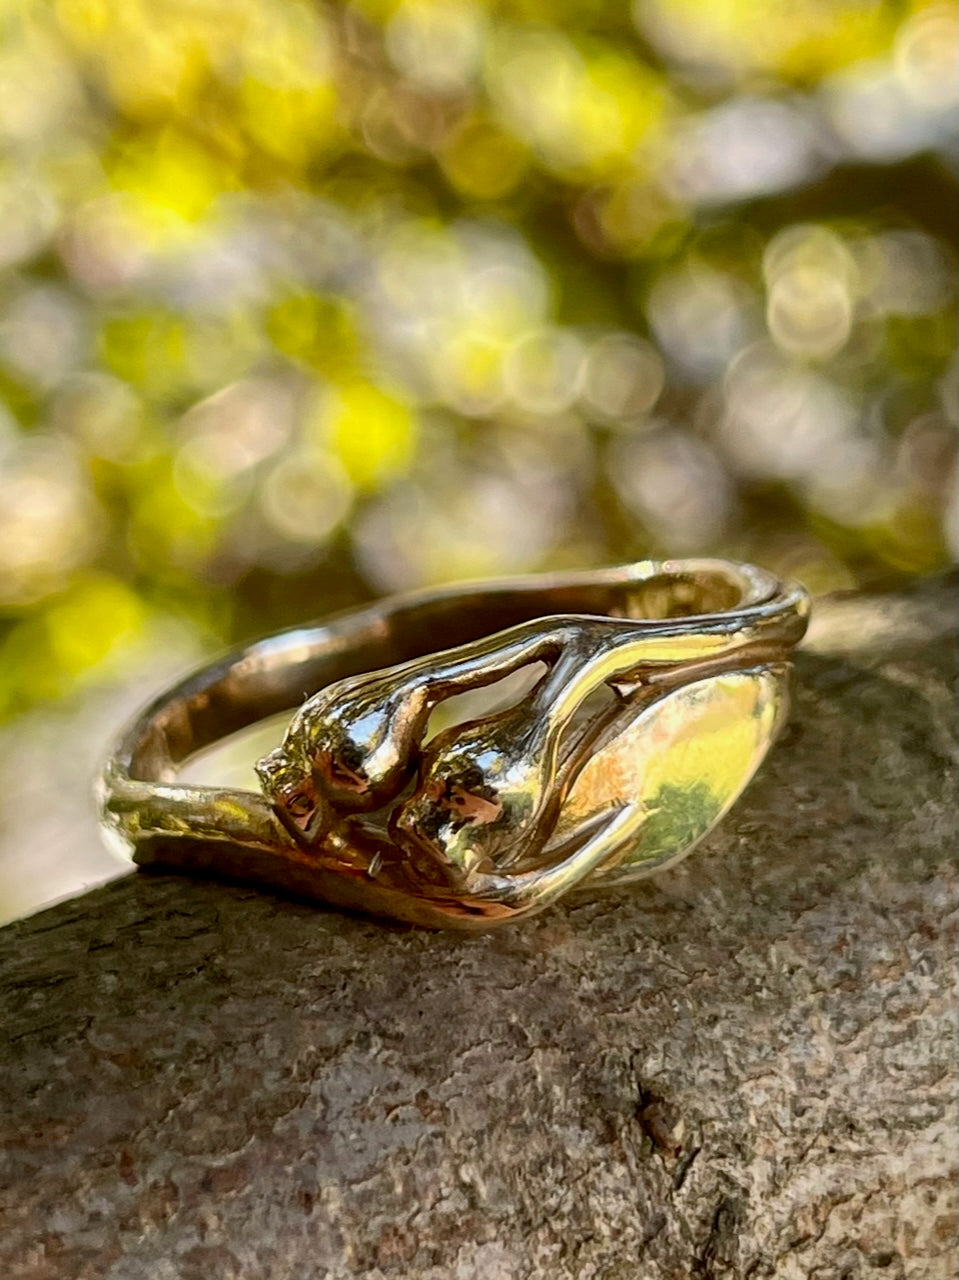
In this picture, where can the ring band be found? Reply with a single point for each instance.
(660, 686)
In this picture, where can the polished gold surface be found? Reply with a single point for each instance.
(660, 688)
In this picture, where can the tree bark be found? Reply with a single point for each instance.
(744, 1068)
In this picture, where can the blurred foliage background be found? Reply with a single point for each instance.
(304, 302)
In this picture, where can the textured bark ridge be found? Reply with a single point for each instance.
(743, 1069)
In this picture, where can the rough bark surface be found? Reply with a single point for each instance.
(745, 1068)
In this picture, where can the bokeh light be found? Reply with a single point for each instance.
(300, 302)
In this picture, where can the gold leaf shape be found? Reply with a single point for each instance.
(685, 759)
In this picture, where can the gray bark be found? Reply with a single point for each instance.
(745, 1068)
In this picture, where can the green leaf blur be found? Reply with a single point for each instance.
(301, 303)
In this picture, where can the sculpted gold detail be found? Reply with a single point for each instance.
(658, 688)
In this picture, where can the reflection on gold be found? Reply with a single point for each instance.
(685, 760)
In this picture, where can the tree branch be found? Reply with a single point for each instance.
(745, 1068)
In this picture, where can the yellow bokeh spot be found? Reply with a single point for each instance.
(170, 175)
(483, 161)
(291, 123)
(584, 111)
(379, 11)
(621, 103)
(809, 39)
(84, 19)
(85, 624)
(372, 434)
(167, 529)
(316, 330)
(147, 349)
(467, 371)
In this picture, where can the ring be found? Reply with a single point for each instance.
(652, 693)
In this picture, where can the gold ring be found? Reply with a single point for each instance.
(657, 689)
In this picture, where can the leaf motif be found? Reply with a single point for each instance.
(685, 758)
